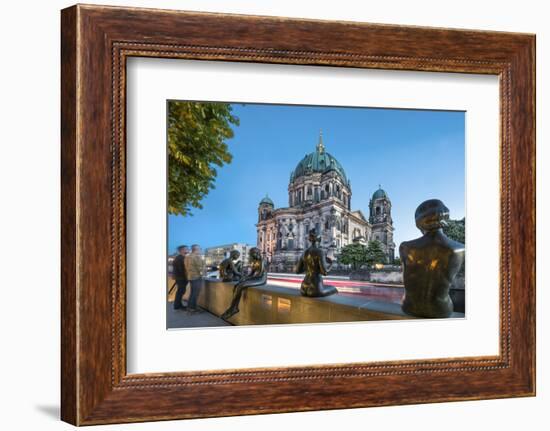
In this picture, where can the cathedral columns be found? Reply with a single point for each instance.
(333, 229)
(262, 236)
(332, 237)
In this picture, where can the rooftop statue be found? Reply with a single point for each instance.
(230, 269)
(256, 277)
(314, 263)
(430, 263)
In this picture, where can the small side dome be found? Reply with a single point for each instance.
(380, 194)
(266, 200)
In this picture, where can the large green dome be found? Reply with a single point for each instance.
(318, 162)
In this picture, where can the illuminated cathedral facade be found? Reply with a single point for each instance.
(319, 197)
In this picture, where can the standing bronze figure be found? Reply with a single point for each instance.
(313, 264)
(430, 263)
(256, 277)
(229, 268)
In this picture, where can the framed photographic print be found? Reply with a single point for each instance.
(266, 215)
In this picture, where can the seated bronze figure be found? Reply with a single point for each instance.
(314, 263)
(430, 263)
(230, 270)
(256, 277)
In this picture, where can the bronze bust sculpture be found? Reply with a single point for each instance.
(230, 270)
(430, 263)
(256, 277)
(313, 264)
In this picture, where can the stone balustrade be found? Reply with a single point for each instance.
(271, 304)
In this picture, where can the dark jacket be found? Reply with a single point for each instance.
(178, 268)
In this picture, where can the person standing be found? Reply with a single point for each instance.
(195, 270)
(180, 275)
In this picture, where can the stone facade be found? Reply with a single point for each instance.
(214, 255)
(381, 222)
(319, 197)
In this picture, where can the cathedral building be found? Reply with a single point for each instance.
(319, 197)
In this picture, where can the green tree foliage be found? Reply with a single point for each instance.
(353, 254)
(358, 255)
(375, 253)
(197, 132)
(455, 229)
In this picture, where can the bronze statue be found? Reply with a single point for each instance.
(256, 277)
(430, 263)
(313, 264)
(230, 270)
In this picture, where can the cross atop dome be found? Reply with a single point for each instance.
(320, 145)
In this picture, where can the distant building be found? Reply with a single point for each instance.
(214, 255)
(319, 197)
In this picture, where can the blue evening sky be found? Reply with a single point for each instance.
(414, 154)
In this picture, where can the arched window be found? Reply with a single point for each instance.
(377, 210)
